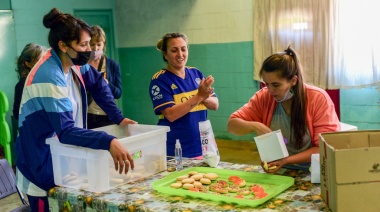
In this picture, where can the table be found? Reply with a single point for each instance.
(139, 196)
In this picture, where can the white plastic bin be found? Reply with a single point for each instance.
(94, 170)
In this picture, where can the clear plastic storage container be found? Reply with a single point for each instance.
(94, 170)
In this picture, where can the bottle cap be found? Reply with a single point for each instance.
(177, 144)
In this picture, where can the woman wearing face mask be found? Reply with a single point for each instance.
(110, 70)
(300, 110)
(54, 104)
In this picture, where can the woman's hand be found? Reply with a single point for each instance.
(273, 166)
(121, 157)
(261, 129)
(205, 89)
(127, 121)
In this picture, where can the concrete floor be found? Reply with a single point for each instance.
(231, 151)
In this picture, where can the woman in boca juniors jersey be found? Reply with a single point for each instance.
(181, 96)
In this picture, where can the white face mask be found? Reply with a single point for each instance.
(288, 95)
(97, 54)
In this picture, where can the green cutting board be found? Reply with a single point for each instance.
(272, 184)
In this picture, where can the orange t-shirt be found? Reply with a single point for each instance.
(320, 113)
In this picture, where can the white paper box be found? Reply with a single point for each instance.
(94, 170)
(271, 146)
(315, 169)
(347, 127)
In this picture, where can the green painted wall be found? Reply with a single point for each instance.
(5, 4)
(360, 107)
(230, 64)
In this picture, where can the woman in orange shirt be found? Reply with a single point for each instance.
(300, 110)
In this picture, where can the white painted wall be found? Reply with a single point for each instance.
(143, 22)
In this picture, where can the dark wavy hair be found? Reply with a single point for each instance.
(63, 27)
(287, 65)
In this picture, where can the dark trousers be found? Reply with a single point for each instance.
(95, 121)
(38, 204)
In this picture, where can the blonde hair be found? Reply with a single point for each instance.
(98, 35)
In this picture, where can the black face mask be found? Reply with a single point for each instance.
(82, 57)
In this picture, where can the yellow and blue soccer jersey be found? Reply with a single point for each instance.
(167, 89)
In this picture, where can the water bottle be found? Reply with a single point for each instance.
(178, 155)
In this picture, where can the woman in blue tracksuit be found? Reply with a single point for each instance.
(54, 103)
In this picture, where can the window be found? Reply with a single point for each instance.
(337, 40)
(355, 46)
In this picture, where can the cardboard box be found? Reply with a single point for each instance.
(271, 146)
(315, 163)
(350, 170)
(94, 170)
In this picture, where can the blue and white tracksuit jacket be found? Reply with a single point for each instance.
(46, 110)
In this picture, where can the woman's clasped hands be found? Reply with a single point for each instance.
(205, 89)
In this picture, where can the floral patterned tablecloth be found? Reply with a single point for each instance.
(139, 196)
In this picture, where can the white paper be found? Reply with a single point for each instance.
(315, 169)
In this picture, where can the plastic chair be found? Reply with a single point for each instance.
(8, 185)
(5, 135)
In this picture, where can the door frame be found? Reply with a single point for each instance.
(107, 15)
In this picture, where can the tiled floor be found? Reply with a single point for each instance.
(9, 203)
(231, 151)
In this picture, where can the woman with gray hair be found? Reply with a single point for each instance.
(28, 58)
